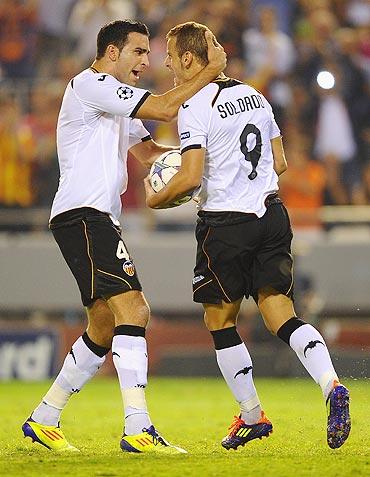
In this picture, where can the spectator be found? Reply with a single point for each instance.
(87, 18)
(53, 40)
(40, 126)
(15, 160)
(358, 12)
(269, 54)
(17, 38)
(335, 146)
(302, 186)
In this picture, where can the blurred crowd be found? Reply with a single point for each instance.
(281, 47)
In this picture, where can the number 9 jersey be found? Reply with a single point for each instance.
(235, 124)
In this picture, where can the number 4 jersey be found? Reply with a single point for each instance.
(235, 124)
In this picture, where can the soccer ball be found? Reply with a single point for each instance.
(163, 169)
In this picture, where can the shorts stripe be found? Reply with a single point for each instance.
(209, 264)
(92, 264)
(115, 276)
(291, 271)
(202, 285)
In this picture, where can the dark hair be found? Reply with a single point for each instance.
(190, 36)
(116, 33)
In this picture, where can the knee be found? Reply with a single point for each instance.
(215, 322)
(143, 314)
(101, 334)
(139, 314)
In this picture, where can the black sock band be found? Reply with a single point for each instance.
(130, 330)
(286, 330)
(96, 349)
(226, 338)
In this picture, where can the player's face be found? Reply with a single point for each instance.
(133, 59)
(173, 62)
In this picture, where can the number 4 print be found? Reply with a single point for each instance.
(121, 251)
(254, 155)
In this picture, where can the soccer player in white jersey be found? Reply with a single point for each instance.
(231, 146)
(99, 122)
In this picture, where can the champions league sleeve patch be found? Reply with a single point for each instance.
(124, 92)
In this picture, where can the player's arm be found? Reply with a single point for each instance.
(187, 179)
(148, 151)
(280, 163)
(164, 107)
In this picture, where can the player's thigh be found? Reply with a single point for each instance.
(101, 323)
(223, 315)
(96, 254)
(113, 267)
(273, 263)
(218, 274)
(129, 308)
(275, 308)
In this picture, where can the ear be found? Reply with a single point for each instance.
(187, 59)
(112, 52)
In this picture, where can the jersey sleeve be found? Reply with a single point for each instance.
(193, 120)
(274, 128)
(104, 93)
(138, 133)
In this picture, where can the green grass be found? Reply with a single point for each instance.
(193, 413)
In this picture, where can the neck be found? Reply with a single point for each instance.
(100, 66)
(194, 69)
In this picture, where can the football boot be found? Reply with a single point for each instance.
(241, 433)
(149, 441)
(50, 437)
(339, 420)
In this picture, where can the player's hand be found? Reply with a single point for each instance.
(216, 54)
(149, 193)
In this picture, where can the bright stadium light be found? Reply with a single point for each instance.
(325, 80)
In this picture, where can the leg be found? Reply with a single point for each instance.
(276, 308)
(233, 357)
(130, 358)
(278, 313)
(83, 361)
(236, 367)
(101, 322)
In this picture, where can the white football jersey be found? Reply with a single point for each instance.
(235, 124)
(95, 130)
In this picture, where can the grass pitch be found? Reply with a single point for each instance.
(193, 413)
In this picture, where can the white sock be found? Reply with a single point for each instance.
(311, 350)
(236, 367)
(130, 358)
(79, 366)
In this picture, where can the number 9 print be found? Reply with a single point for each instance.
(253, 155)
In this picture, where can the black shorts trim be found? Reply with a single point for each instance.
(137, 107)
(91, 262)
(115, 276)
(146, 138)
(209, 267)
(203, 285)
